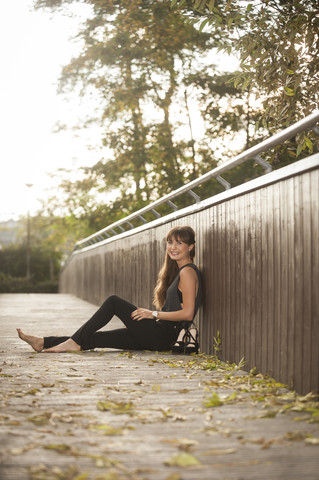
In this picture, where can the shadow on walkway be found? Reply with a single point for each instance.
(112, 415)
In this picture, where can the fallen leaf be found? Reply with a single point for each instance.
(41, 472)
(140, 382)
(179, 418)
(260, 441)
(144, 470)
(108, 429)
(110, 475)
(186, 444)
(240, 464)
(17, 451)
(213, 401)
(312, 441)
(60, 447)
(174, 476)
(295, 436)
(61, 418)
(103, 462)
(308, 397)
(226, 451)
(42, 419)
(117, 408)
(182, 460)
(270, 414)
(33, 391)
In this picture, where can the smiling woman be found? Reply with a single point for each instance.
(177, 297)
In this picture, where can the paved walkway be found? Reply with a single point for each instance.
(111, 415)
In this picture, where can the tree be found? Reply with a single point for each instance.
(278, 45)
(141, 61)
(131, 58)
(45, 258)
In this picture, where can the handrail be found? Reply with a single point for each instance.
(252, 153)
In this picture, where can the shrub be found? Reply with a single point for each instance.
(10, 284)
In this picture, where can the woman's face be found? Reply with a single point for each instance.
(178, 250)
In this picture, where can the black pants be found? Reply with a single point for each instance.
(146, 334)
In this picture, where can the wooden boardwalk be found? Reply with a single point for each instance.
(111, 415)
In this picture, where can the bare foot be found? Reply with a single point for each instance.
(67, 346)
(36, 343)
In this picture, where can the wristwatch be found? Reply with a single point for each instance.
(155, 315)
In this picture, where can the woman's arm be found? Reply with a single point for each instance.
(188, 286)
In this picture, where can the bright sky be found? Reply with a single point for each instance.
(34, 46)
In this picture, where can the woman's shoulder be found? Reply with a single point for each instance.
(189, 270)
(189, 267)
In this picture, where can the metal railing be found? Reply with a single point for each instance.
(254, 152)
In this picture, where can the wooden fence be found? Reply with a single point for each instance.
(258, 250)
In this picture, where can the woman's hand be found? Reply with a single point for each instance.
(140, 313)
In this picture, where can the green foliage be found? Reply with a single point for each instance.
(217, 344)
(213, 401)
(10, 284)
(47, 248)
(143, 63)
(13, 262)
(130, 59)
(277, 42)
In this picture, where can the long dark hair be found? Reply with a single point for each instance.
(170, 268)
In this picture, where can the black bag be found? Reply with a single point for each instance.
(186, 339)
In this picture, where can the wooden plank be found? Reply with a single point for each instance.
(225, 232)
(314, 363)
(231, 233)
(263, 366)
(204, 261)
(258, 219)
(253, 275)
(284, 187)
(291, 314)
(246, 319)
(236, 310)
(213, 292)
(242, 313)
(298, 278)
(271, 290)
(52, 422)
(278, 293)
(306, 280)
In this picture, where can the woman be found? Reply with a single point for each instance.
(177, 297)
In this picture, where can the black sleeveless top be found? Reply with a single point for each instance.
(174, 297)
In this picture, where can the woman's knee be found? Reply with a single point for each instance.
(113, 300)
(118, 306)
(113, 304)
